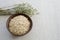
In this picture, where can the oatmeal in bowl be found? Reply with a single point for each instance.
(19, 24)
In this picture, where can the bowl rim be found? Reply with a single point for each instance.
(14, 15)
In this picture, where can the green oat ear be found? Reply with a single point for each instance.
(25, 8)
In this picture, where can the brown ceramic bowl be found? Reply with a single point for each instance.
(14, 15)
